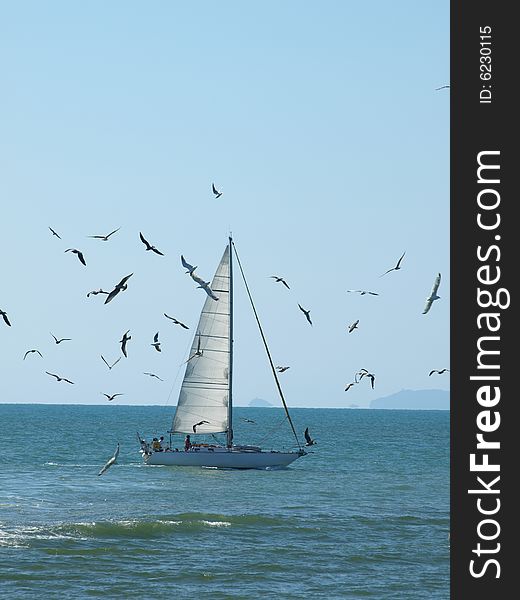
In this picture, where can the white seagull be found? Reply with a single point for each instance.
(111, 461)
(204, 285)
(187, 265)
(433, 295)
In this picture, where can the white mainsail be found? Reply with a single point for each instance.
(204, 394)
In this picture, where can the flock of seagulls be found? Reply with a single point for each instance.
(122, 285)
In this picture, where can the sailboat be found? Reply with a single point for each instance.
(205, 403)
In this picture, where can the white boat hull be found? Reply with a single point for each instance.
(223, 458)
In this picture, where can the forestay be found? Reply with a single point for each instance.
(204, 393)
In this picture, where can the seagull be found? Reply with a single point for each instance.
(29, 352)
(204, 285)
(309, 440)
(120, 287)
(197, 424)
(149, 246)
(437, 371)
(79, 254)
(58, 377)
(112, 365)
(96, 292)
(187, 265)
(248, 420)
(123, 341)
(353, 326)
(110, 398)
(175, 321)
(350, 385)
(442, 87)
(104, 237)
(111, 461)
(156, 343)
(4, 316)
(433, 295)
(217, 193)
(397, 266)
(198, 352)
(280, 279)
(362, 373)
(282, 369)
(363, 292)
(59, 341)
(306, 312)
(153, 375)
(54, 233)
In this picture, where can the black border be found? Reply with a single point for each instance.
(477, 127)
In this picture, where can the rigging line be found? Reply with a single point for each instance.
(270, 431)
(267, 348)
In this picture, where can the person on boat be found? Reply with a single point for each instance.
(187, 443)
(156, 445)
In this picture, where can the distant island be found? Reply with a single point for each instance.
(259, 402)
(415, 400)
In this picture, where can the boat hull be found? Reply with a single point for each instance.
(223, 458)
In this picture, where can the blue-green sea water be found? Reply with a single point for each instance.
(365, 515)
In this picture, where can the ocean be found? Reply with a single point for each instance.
(364, 515)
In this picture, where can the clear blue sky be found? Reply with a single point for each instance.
(321, 124)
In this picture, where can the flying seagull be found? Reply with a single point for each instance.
(217, 192)
(104, 237)
(4, 316)
(149, 246)
(397, 266)
(442, 87)
(433, 295)
(353, 326)
(204, 285)
(175, 321)
(58, 377)
(306, 313)
(363, 292)
(123, 342)
(309, 441)
(96, 292)
(156, 343)
(362, 373)
(54, 233)
(61, 340)
(187, 265)
(111, 461)
(437, 371)
(350, 385)
(112, 365)
(79, 255)
(197, 424)
(111, 397)
(198, 352)
(248, 420)
(120, 287)
(29, 352)
(153, 375)
(282, 369)
(280, 280)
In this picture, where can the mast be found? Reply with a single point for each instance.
(229, 435)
